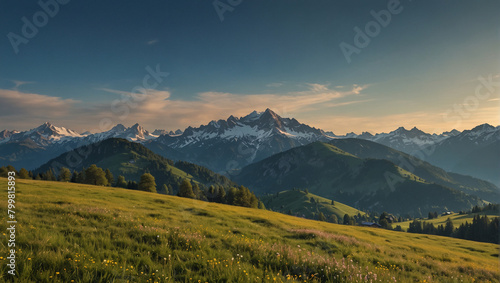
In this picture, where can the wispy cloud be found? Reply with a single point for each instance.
(274, 85)
(318, 87)
(17, 84)
(153, 41)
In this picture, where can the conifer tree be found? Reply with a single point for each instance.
(321, 217)
(109, 177)
(23, 174)
(186, 189)
(147, 183)
(120, 182)
(95, 176)
(448, 228)
(64, 175)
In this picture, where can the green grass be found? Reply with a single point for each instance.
(299, 202)
(408, 175)
(456, 218)
(325, 147)
(100, 234)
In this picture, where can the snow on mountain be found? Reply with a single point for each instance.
(135, 133)
(409, 141)
(474, 152)
(5, 134)
(239, 141)
(451, 133)
(158, 132)
(468, 140)
(256, 126)
(32, 148)
(484, 133)
(225, 145)
(329, 134)
(43, 135)
(453, 150)
(365, 135)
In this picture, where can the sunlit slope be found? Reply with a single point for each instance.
(304, 204)
(101, 234)
(456, 218)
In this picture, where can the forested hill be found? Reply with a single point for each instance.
(131, 160)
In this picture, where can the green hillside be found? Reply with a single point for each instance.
(368, 184)
(131, 160)
(338, 169)
(456, 218)
(79, 233)
(304, 204)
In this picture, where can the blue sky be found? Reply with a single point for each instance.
(421, 69)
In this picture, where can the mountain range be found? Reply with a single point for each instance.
(268, 154)
(474, 152)
(226, 146)
(30, 149)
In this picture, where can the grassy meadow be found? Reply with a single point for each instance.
(79, 233)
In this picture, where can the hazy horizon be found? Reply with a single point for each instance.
(128, 125)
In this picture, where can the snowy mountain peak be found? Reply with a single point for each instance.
(269, 119)
(400, 130)
(414, 132)
(250, 138)
(42, 135)
(5, 134)
(118, 128)
(137, 133)
(47, 126)
(158, 132)
(365, 135)
(451, 133)
(49, 131)
(417, 132)
(483, 128)
(484, 132)
(251, 117)
(138, 128)
(214, 124)
(269, 114)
